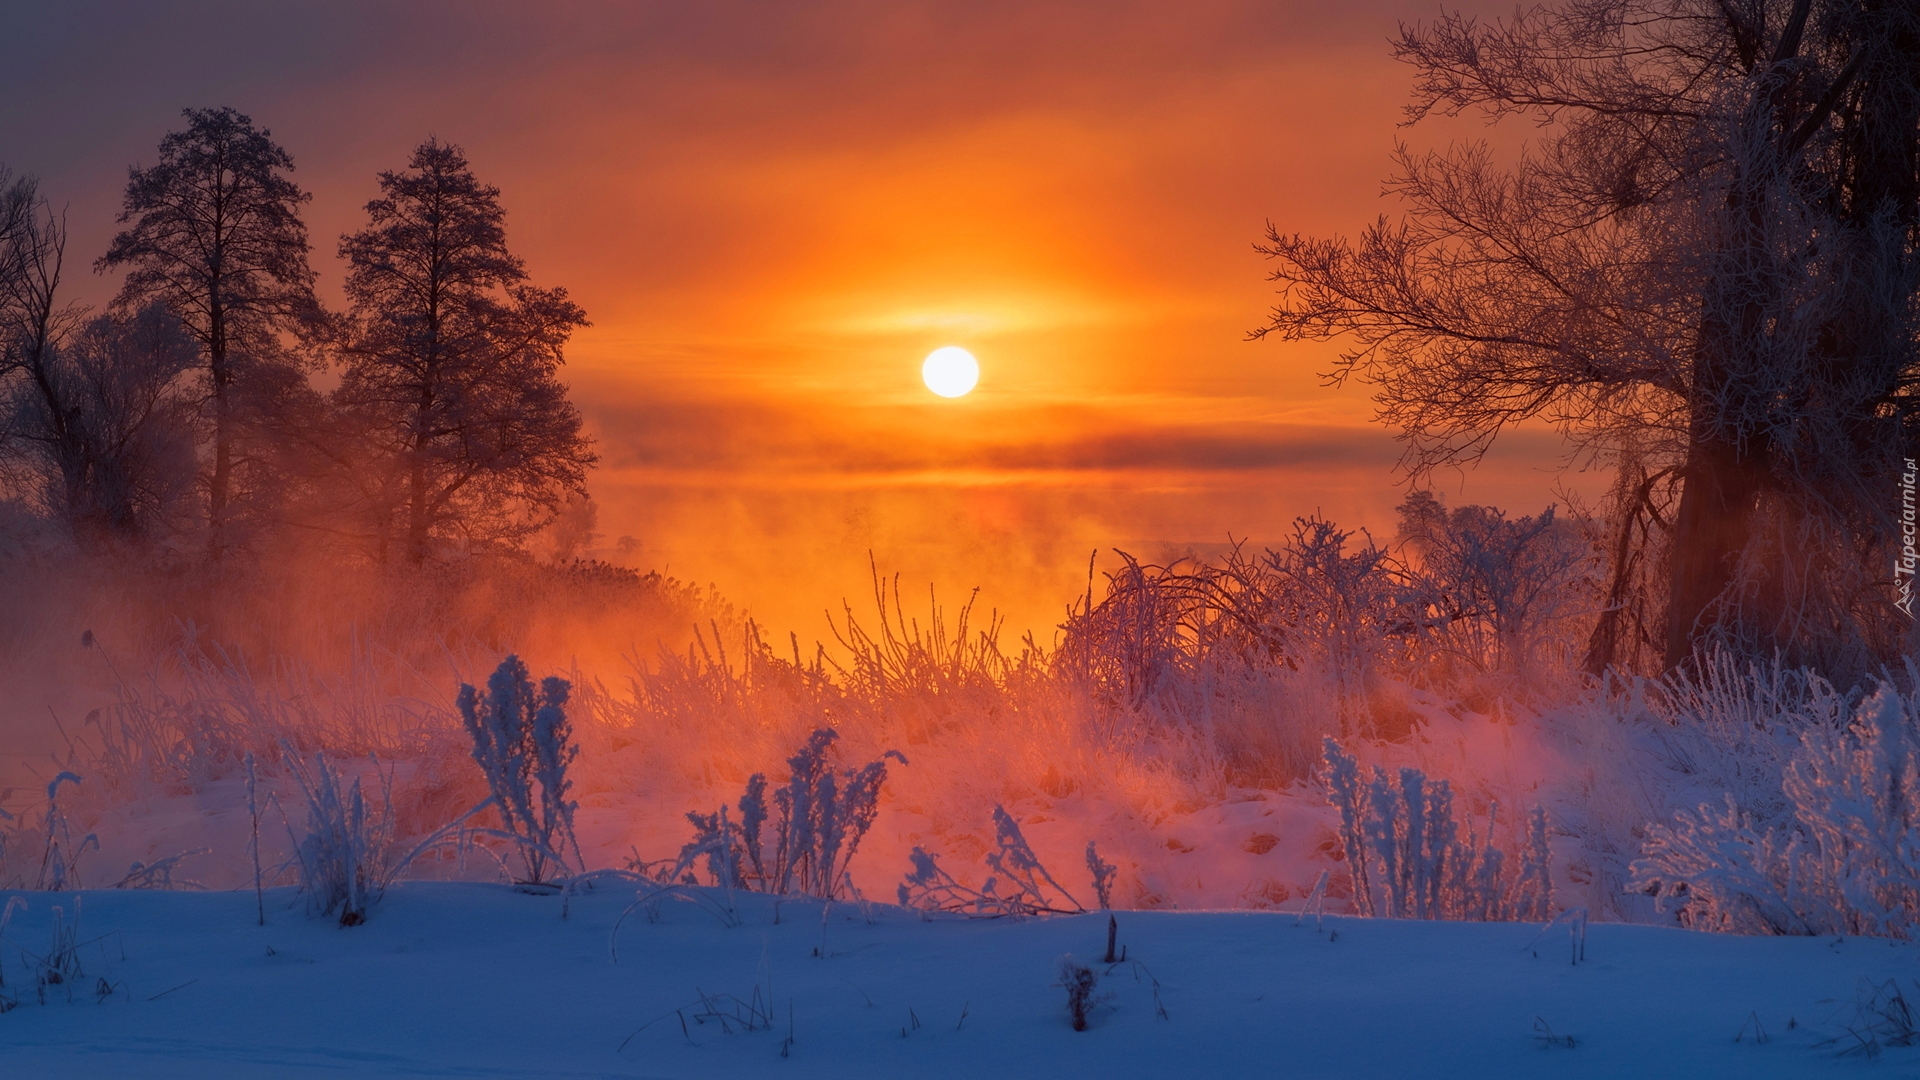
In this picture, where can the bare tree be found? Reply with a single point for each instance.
(1491, 593)
(574, 528)
(454, 360)
(215, 234)
(32, 318)
(93, 421)
(1704, 266)
(110, 430)
(33, 244)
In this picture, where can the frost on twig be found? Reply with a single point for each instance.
(1407, 857)
(523, 743)
(1019, 885)
(1843, 859)
(818, 819)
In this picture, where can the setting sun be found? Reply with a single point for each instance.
(526, 499)
(950, 372)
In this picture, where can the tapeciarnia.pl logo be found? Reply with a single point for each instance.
(1903, 567)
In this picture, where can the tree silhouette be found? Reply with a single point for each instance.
(214, 233)
(1704, 270)
(453, 360)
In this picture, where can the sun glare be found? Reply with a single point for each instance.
(950, 372)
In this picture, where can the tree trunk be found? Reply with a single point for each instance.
(220, 486)
(1727, 460)
(417, 516)
(1633, 508)
(222, 378)
(1722, 489)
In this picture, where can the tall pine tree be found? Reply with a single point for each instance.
(453, 362)
(214, 234)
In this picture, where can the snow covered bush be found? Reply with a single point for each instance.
(1492, 591)
(1408, 860)
(1317, 601)
(347, 855)
(819, 817)
(1846, 859)
(1334, 603)
(54, 866)
(1018, 886)
(523, 742)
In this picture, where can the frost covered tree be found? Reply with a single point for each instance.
(32, 318)
(1489, 590)
(214, 234)
(93, 426)
(1703, 269)
(453, 361)
(104, 430)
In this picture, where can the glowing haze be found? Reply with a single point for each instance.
(773, 212)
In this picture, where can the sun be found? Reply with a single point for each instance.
(950, 372)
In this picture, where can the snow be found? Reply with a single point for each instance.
(471, 979)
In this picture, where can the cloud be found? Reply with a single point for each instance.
(771, 210)
(764, 438)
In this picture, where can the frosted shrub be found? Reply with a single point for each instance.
(1335, 605)
(346, 856)
(1019, 885)
(57, 866)
(1103, 874)
(1251, 659)
(1318, 601)
(1146, 635)
(819, 818)
(1491, 589)
(523, 742)
(1732, 725)
(60, 966)
(1407, 857)
(1846, 861)
(1021, 871)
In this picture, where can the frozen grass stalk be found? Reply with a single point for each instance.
(253, 841)
(1408, 860)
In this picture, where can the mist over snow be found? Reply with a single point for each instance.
(489, 588)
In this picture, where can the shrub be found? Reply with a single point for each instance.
(1019, 885)
(59, 851)
(347, 856)
(1491, 591)
(1846, 860)
(1079, 981)
(1408, 860)
(523, 743)
(820, 818)
(1103, 874)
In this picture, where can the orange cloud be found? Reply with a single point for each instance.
(772, 211)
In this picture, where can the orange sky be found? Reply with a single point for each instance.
(773, 211)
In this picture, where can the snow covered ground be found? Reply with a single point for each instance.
(464, 979)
